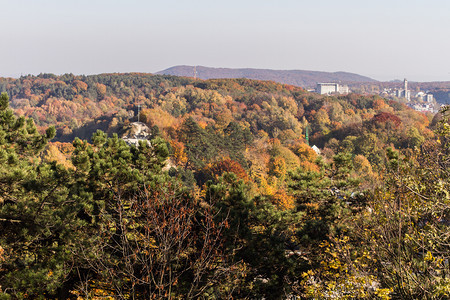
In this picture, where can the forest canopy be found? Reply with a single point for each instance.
(224, 197)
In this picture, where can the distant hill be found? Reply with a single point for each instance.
(294, 77)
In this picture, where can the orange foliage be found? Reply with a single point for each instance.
(179, 156)
(423, 122)
(379, 104)
(65, 148)
(224, 118)
(202, 124)
(80, 85)
(282, 200)
(336, 124)
(305, 153)
(309, 166)
(255, 107)
(101, 89)
(350, 112)
(227, 165)
(366, 116)
(275, 142)
(277, 166)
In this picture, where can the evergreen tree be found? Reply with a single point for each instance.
(36, 217)
(258, 237)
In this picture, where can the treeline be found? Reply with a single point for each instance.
(265, 112)
(300, 78)
(247, 208)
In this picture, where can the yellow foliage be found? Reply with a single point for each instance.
(362, 165)
(428, 256)
(350, 112)
(157, 116)
(259, 159)
(2, 252)
(305, 153)
(223, 118)
(322, 117)
(291, 161)
(277, 166)
(264, 187)
(202, 124)
(95, 290)
(179, 156)
(340, 275)
(52, 153)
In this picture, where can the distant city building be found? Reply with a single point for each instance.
(424, 107)
(420, 95)
(420, 101)
(331, 88)
(404, 93)
(428, 98)
(425, 97)
(407, 93)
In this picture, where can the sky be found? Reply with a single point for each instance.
(382, 39)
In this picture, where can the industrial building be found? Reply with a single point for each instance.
(331, 88)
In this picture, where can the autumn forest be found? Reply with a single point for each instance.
(234, 189)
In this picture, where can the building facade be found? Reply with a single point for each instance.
(331, 88)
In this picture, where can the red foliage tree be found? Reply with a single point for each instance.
(386, 117)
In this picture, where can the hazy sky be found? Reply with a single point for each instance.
(382, 39)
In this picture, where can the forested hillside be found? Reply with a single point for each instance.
(226, 199)
(300, 78)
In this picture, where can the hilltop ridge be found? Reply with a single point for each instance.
(302, 78)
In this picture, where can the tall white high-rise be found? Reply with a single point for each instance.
(407, 93)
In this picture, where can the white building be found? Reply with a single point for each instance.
(137, 131)
(331, 88)
(428, 98)
(424, 107)
(403, 93)
(420, 95)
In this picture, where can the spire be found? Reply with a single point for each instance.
(139, 110)
(307, 134)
